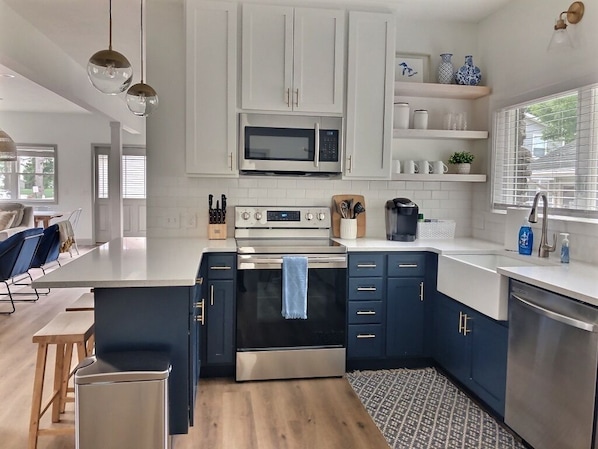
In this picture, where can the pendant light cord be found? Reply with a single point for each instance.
(141, 41)
(110, 13)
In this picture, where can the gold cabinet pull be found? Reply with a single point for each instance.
(366, 289)
(465, 319)
(211, 295)
(366, 312)
(200, 316)
(407, 265)
(366, 335)
(221, 268)
(421, 291)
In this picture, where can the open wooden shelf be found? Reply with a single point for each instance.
(435, 90)
(439, 134)
(449, 177)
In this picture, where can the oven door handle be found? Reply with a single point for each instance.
(252, 262)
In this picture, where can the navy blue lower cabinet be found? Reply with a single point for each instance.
(473, 348)
(365, 341)
(405, 317)
(220, 324)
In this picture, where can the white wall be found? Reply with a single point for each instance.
(513, 44)
(74, 135)
(172, 193)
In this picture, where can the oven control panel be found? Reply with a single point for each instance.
(282, 217)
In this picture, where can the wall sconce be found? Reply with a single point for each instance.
(560, 37)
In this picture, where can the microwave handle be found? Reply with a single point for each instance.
(317, 149)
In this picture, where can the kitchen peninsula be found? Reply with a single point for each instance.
(145, 293)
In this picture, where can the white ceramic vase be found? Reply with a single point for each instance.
(463, 169)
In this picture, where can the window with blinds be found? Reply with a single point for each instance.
(133, 176)
(32, 177)
(549, 144)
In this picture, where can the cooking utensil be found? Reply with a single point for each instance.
(223, 214)
(358, 209)
(345, 209)
(211, 211)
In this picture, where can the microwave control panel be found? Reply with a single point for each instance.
(329, 145)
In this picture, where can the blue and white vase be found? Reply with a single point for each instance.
(446, 71)
(469, 74)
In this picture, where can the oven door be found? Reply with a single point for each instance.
(260, 324)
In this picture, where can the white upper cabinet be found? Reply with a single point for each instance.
(293, 59)
(211, 131)
(370, 92)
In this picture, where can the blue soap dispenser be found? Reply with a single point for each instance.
(565, 248)
(526, 239)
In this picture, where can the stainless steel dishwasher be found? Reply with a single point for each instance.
(551, 369)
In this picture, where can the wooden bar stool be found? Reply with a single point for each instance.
(85, 302)
(66, 330)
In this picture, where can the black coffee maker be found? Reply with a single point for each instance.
(401, 219)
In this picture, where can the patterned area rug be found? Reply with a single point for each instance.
(422, 409)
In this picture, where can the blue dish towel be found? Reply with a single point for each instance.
(294, 287)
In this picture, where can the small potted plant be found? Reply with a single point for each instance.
(463, 160)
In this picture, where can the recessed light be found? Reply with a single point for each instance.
(6, 75)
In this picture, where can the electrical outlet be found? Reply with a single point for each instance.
(188, 220)
(172, 222)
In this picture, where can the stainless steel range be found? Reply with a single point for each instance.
(268, 345)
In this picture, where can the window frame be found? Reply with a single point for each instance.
(23, 151)
(586, 88)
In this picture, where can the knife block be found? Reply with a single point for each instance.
(217, 231)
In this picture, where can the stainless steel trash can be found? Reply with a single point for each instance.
(121, 401)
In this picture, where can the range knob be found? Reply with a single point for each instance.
(321, 216)
(245, 215)
(309, 216)
(258, 216)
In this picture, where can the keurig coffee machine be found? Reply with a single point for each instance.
(401, 219)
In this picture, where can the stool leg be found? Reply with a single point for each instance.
(65, 375)
(58, 383)
(90, 345)
(81, 350)
(38, 386)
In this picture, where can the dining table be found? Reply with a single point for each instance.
(44, 216)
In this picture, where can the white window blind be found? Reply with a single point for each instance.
(549, 144)
(133, 176)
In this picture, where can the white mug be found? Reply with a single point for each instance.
(420, 119)
(410, 167)
(439, 168)
(396, 166)
(424, 167)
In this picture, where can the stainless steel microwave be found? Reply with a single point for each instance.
(284, 144)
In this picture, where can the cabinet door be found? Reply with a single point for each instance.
(370, 94)
(318, 69)
(211, 131)
(220, 322)
(451, 347)
(488, 376)
(405, 317)
(267, 57)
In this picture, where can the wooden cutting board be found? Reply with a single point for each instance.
(336, 216)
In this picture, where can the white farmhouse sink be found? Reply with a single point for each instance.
(472, 280)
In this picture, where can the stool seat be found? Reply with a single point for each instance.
(85, 302)
(66, 330)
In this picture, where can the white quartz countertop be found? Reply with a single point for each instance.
(575, 280)
(448, 246)
(136, 262)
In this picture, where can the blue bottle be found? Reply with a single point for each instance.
(565, 248)
(526, 239)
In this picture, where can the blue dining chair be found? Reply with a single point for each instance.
(48, 249)
(16, 255)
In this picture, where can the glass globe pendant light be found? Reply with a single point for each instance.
(108, 70)
(142, 99)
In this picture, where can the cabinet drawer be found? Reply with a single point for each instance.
(366, 265)
(406, 264)
(221, 266)
(365, 312)
(365, 340)
(365, 288)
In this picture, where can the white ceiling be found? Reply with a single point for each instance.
(80, 28)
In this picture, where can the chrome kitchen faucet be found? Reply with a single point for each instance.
(544, 249)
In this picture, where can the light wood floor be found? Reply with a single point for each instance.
(319, 413)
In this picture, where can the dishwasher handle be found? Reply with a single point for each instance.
(570, 321)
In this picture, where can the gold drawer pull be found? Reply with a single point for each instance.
(366, 289)
(366, 312)
(366, 336)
